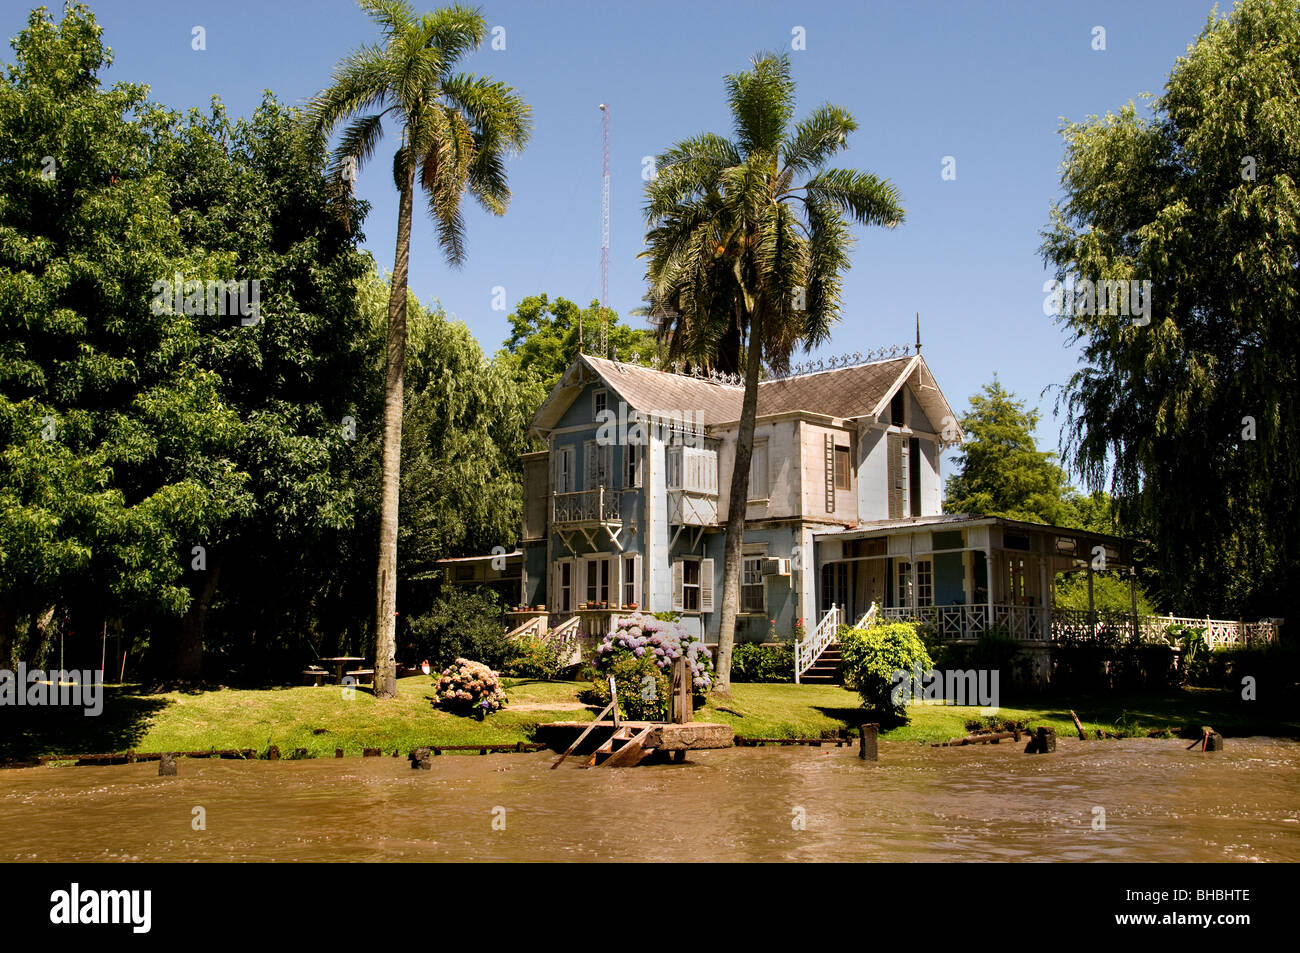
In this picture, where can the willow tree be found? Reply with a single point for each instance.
(753, 232)
(457, 130)
(1187, 410)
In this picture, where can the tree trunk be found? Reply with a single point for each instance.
(731, 562)
(189, 649)
(395, 375)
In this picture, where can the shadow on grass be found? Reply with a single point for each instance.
(853, 717)
(28, 731)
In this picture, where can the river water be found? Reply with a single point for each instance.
(1160, 802)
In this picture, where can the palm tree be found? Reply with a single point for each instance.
(457, 130)
(753, 233)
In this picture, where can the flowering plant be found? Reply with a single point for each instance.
(467, 686)
(642, 646)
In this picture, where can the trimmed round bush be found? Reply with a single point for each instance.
(871, 657)
(470, 687)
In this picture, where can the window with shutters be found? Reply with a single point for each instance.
(693, 469)
(843, 469)
(596, 468)
(632, 462)
(758, 488)
(691, 585)
(753, 593)
(564, 482)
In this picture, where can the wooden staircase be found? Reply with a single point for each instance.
(624, 748)
(826, 670)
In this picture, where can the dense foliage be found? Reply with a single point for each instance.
(872, 659)
(763, 662)
(193, 485)
(1188, 412)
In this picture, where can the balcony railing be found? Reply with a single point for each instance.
(601, 505)
(692, 508)
(1041, 624)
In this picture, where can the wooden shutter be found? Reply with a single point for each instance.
(830, 473)
(894, 449)
(607, 476)
(590, 465)
(678, 600)
(706, 585)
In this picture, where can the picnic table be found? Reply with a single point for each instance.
(340, 662)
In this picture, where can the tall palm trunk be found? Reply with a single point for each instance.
(394, 380)
(734, 546)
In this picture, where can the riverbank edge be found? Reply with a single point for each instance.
(318, 722)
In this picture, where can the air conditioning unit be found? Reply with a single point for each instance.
(776, 567)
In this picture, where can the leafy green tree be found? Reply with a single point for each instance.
(1187, 411)
(254, 196)
(759, 223)
(1001, 470)
(457, 130)
(116, 443)
(544, 338)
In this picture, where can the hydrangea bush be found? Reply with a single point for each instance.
(640, 653)
(470, 687)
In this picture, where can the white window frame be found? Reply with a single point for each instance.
(631, 579)
(703, 585)
(596, 401)
(844, 453)
(751, 569)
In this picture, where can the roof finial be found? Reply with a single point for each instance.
(580, 323)
(918, 332)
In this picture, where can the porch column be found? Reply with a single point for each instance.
(988, 572)
(1133, 598)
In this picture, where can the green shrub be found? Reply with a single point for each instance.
(871, 658)
(463, 623)
(532, 657)
(643, 688)
(771, 662)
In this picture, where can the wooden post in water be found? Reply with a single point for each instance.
(613, 697)
(867, 742)
(682, 709)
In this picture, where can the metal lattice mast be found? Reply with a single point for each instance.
(604, 228)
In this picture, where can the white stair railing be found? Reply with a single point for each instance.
(868, 617)
(807, 651)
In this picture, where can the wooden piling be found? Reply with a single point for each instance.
(867, 748)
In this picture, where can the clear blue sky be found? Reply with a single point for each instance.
(986, 83)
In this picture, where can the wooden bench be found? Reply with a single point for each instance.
(314, 676)
(363, 676)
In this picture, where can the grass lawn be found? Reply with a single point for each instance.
(319, 719)
(322, 719)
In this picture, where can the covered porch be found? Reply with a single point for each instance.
(965, 575)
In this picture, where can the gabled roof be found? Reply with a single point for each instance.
(860, 391)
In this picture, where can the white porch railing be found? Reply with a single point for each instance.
(1042, 624)
(568, 637)
(807, 651)
(601, 505)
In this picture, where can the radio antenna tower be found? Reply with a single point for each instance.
(604, 229)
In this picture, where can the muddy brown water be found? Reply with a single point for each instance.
(992, 803)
